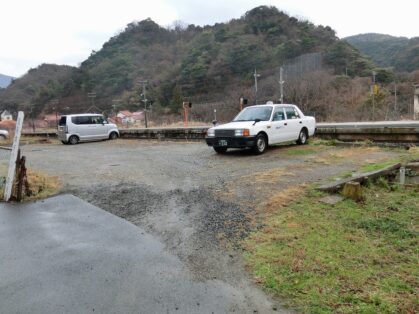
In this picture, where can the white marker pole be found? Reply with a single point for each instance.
(12, 162)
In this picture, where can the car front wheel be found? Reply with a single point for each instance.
(261, 144)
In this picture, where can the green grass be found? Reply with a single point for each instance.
(377, 166)
(347, 258)
(318, 141)
(303, 150)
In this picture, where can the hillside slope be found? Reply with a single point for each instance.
(37, 87)
(388, 51)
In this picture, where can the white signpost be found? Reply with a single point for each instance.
(12, 162)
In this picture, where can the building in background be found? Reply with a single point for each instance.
(6, 116)
(128, 117)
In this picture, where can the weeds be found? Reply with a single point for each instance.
(346, 258)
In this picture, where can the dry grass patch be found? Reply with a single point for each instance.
(342, 155)
(40, 186)
(280, 199)
(270, 176)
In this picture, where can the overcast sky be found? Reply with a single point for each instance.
(65, 32)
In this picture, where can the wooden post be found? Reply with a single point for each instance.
(353, 190)
(22, 179)
(13, 158)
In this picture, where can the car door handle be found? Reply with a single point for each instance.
(301, 122)
(285, 123)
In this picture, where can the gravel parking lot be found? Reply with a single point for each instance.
(198, 203)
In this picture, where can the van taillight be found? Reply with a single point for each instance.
(66, 129)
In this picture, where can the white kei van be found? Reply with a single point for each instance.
(74, 128)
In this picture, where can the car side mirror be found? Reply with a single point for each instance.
(214, 122)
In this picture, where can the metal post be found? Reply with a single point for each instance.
(185, 106)
(281, 85)
(256, 75)
(395, 99)
(373, 95)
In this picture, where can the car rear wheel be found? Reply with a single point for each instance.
(302, 138)
(261, 144)
(73, 140)
(220, 150)
(113, 136)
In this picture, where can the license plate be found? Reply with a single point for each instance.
(222, 143)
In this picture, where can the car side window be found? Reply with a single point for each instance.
(278, 114)
(292, 113)
(97, 120)
(82, 120)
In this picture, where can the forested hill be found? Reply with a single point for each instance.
(37, 87)
(388, 51)
(187, 61)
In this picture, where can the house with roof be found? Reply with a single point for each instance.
(6, 116)
(127, 117)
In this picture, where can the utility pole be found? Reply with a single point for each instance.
(144, 83)
(55, 102)
(281, 85)
(256, 75)
(395, 98)
(33, 122)
(373, 95)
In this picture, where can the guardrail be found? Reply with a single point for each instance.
(392, 131)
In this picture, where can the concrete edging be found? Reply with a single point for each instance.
(392, 132)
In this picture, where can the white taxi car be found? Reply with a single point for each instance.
(258, 126)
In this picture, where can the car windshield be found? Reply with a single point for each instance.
(253, 113)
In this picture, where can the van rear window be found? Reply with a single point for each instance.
(63, 121)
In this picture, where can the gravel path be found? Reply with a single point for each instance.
(198, 203)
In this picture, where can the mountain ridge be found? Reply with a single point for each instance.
(5, 80)
(401, 53)
(192, 62)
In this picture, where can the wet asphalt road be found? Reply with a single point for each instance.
(197, 203)
(63, 255)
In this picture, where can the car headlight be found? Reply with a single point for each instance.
(211, 132)
(242, 132)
